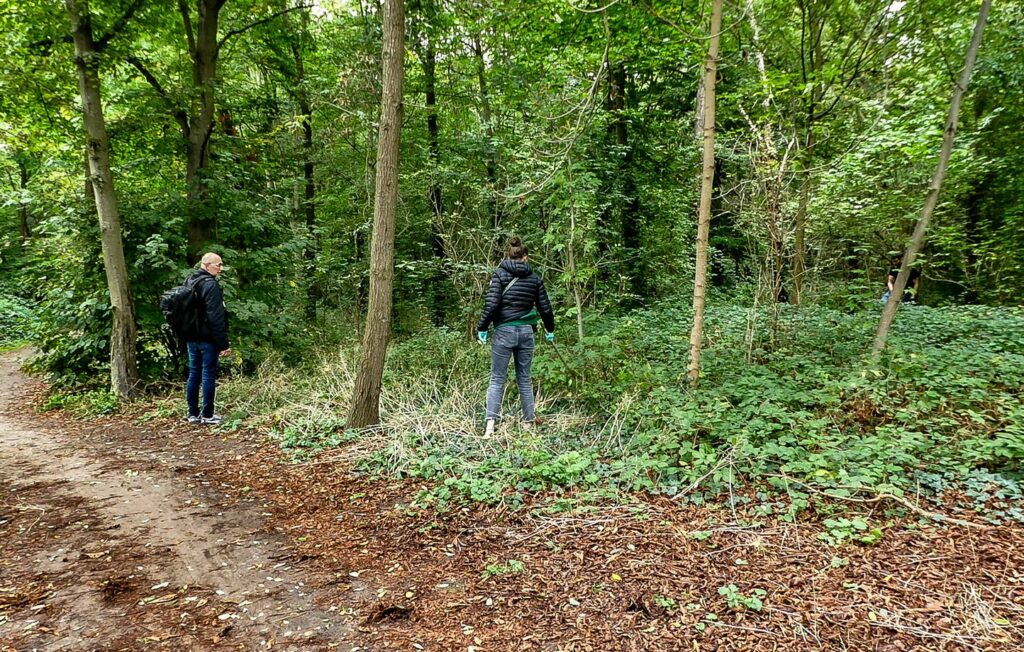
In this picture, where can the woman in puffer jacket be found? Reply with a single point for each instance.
(516, 300)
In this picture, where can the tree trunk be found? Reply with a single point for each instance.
(124, 377)
(205, 50)
(365, 410)
(800, 221)
(24, 226)
(917, 239)
(308, 168)
(491, 163)
(707, 180)
(769, 171)
(631, 226)
(429, 58)
(812, 63)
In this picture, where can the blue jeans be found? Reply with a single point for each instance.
(511, 342)
(202, 365)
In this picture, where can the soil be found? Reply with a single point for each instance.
(115, 539)
(258, 552)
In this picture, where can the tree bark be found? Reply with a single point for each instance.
(769, 172)
(24, 225)
(632, 235)
(365, 409)
(429, 58)
(491, 163)
(811, 50)
(124, 377)
(706, 188)
(205, 51)
(917, 239)
(800, 221)
(301, 95)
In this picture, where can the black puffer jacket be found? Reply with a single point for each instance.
(213, 326)
(521, 298)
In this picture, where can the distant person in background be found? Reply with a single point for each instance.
(913, 282)
(210, 343)
(516, 300)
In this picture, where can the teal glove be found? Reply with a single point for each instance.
(550, 337)
(482, 336)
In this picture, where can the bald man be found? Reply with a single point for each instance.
(211, 341)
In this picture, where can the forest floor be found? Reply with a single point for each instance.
(129, 532)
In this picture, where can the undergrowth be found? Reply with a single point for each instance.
(786, 401)
(17, 321)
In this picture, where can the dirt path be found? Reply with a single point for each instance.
(111, 547)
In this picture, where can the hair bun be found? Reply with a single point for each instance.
(516, 241)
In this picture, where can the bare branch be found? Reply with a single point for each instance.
(176, 111)
(189, 33)
(120, 24)
(45, 46)
(262, 21)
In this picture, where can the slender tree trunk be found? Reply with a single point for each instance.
(429, 58)
(491, 162)
(571, 268)
(769, 171)
(24, 226)
(811, 49)
(800, 221)
(632, 235)
(124, 375)
(308, 169)
(973, 234)
(917, 239)
(365, 410)
(707, 181)
(698, 110)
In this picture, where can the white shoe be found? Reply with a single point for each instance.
(489, 429)
(192, 419)
(215, 420)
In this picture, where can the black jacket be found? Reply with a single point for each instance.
(213, 326)
(527, 293)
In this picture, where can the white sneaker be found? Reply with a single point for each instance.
(215, 420)
(192, 419)
(489, 429)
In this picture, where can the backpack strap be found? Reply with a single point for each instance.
(509, 286)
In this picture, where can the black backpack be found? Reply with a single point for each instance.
(183, 309)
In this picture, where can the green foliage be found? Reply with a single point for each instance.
(842, 530)
(303, 444)
(17, 321)
(736, 600)
(512, 567)
(666, 603)
(799, 404)
(88, 404)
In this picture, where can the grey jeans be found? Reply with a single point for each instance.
(511, 342)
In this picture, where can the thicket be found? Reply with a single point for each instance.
(17, 321)
(788, 402)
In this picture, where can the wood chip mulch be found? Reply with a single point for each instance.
(651, 575)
